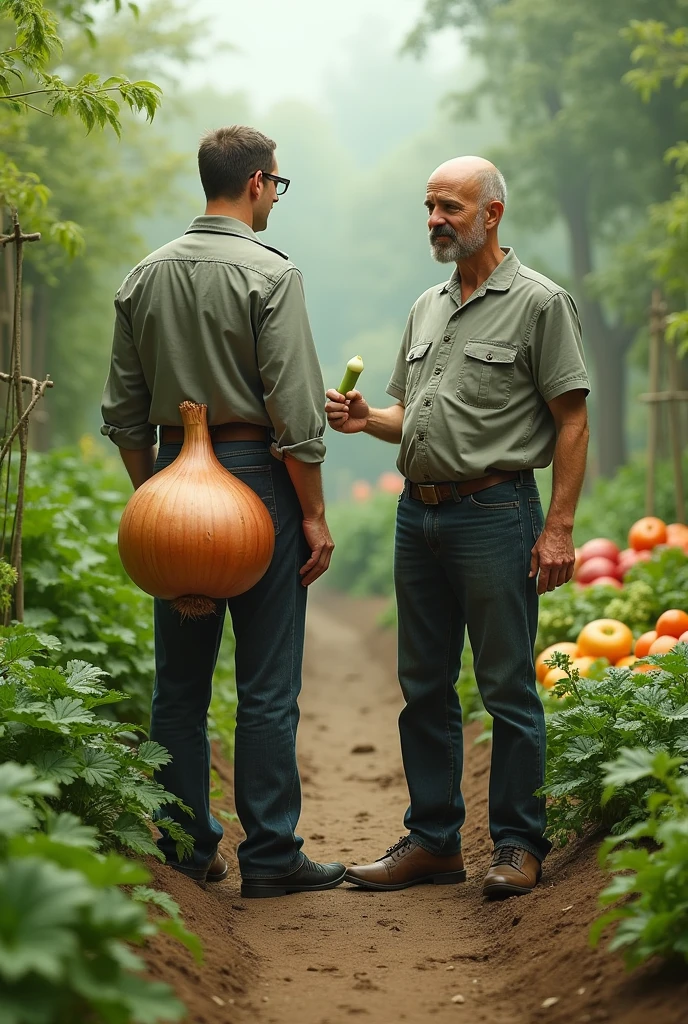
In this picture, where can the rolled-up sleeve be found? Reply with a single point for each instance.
(126, 398)
(293, 389)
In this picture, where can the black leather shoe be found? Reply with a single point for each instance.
(308, 877)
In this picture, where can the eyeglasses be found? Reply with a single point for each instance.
(281, 184)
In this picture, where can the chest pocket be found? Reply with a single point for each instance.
(486, 375)
(414, 361)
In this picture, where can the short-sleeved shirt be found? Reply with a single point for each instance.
(215, 317)
(475, 379)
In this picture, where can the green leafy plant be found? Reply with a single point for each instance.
(66, 926)
(364, 535)
(48, 719)
(653, 856)
(74, 581)
(599, 718)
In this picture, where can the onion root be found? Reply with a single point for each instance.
(194, 606)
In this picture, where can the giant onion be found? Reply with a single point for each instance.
(194, 532)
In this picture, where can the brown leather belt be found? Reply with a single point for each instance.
(222, 432)
(433, 494)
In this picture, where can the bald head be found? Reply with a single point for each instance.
(479, 176)
(465, 201)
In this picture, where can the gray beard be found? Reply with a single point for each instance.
(461, 247)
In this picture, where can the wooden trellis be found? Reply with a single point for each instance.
(664, 364)
(17, 413)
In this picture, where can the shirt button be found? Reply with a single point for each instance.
(421, 437)
(427, 402)
(489, 355)
(447, 337)
(438, 370)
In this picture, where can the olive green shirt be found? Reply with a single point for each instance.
(215, 317)
(475, 378)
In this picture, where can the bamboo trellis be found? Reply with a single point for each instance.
(670, 398)
(17, 413)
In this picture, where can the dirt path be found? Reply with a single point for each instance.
(428, 953)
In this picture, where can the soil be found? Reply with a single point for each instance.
(430, 953)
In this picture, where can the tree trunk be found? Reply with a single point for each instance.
(607, 345)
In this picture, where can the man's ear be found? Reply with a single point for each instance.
(256, 185)
(494, 212)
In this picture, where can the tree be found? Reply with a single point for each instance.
(31, 42)
(581, 147)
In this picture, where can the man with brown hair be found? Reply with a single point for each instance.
(218, 317)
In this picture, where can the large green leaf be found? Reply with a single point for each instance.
(67, 711)
(60, 765)
(133, 833)
(39, 904)
(153, 754)
(98, 768)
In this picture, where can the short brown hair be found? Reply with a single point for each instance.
(227, 157)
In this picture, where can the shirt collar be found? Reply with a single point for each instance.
(500, 280)
(219, 225)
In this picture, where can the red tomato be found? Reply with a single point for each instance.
(599, 548)
(683, 639)
(629, 557)
(596, 567)
(647, 533)
(607, 581)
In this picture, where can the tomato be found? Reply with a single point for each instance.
(600, 547)
(629, 557)
(644, 642)
(677, 535)
(607, 581)
(683, 639)
(672, 623)
(553, 677)
(663, 644)
(391, 483)
(626, 662)
(566, 647)
(585, 663)
(606, 638)
(647, 533)
(596, 567)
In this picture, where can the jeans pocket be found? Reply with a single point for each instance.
(537, 517)
(259, 479)
(499, 496)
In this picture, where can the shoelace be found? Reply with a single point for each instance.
(510, 855)
(401, 845)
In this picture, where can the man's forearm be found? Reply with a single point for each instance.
(307, 480)
(568, 471)
(386, 424)
(138, 463)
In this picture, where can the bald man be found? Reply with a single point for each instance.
(490, 384)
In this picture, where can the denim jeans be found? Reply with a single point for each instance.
(459, 564)
(268, 622)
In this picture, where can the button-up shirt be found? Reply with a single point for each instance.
(215, 317)
(475, 378)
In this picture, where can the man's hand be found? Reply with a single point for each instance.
(320, 542)
(347, 413)
(553, 558)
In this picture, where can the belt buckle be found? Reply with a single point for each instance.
(432, 498)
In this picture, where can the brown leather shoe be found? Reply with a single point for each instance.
(513, 872)
(218, 869)
(407, 864)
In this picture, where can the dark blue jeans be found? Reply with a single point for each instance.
(461, 564)
(268, 624)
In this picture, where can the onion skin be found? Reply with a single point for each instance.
(194, 532)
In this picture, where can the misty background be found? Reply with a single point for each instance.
(359, 125)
